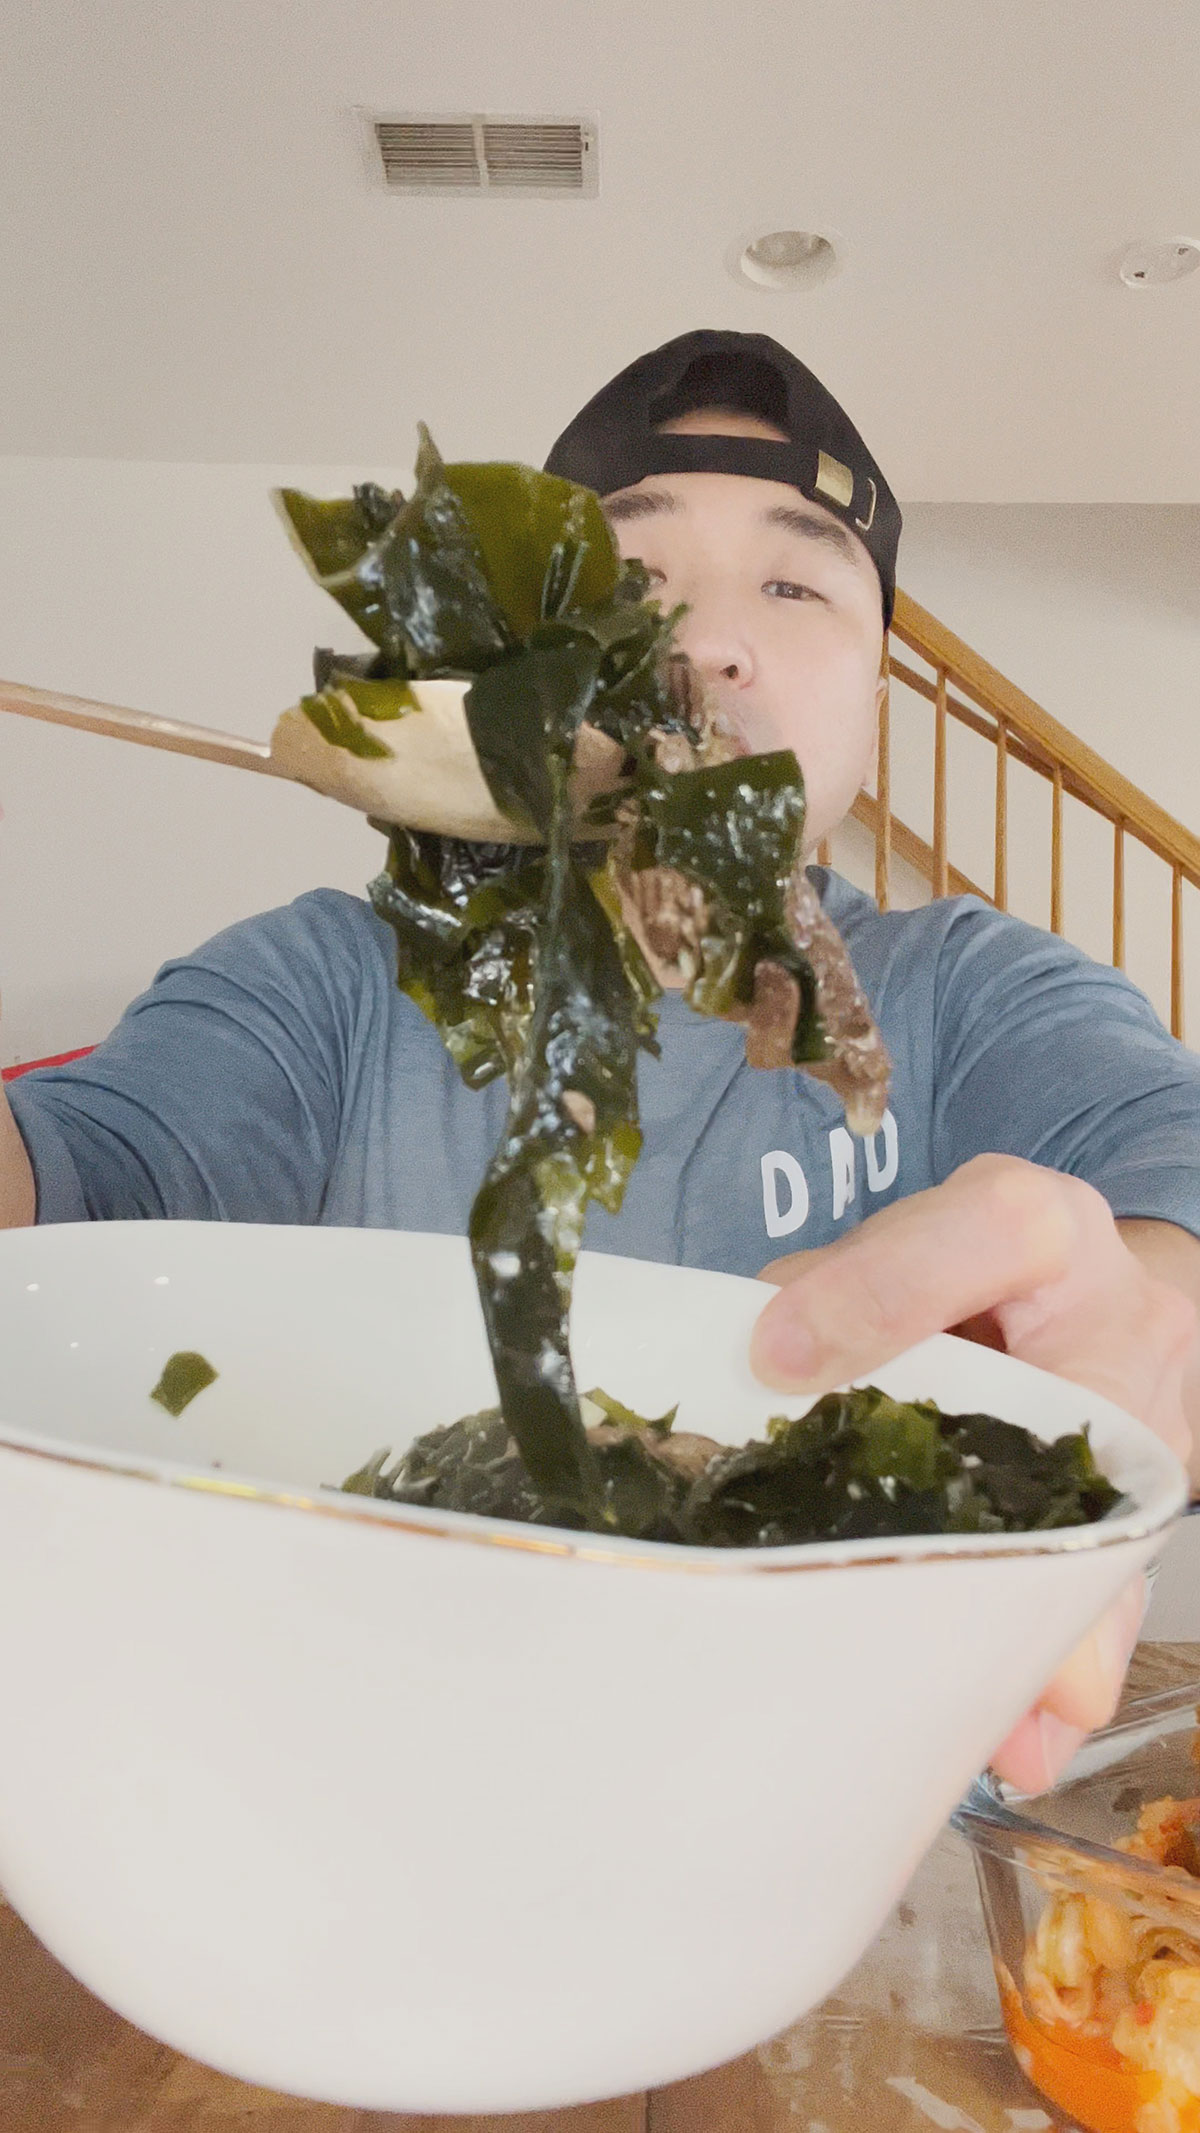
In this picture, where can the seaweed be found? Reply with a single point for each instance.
(183, 1376)
(736, 828)
(476, 1466)
(858, 1466)
(520, 955)
(862, 1466)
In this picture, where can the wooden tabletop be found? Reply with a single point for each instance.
(910, 2039)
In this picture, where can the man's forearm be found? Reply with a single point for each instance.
(18, 1200)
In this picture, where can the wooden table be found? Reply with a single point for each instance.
(911, 2040)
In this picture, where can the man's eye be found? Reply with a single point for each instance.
(787, 589)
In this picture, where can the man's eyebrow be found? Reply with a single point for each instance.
(640, 503)
(812, 527)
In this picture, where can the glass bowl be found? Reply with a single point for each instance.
(1092, 1898)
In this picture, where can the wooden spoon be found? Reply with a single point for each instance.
(430, 780)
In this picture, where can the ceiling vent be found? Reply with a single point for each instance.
(539, 158)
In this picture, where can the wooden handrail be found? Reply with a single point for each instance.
(921, 685)
(1094, 779)
(1022, 751)
(1019, 750)
(1021, 731)
(907, 846)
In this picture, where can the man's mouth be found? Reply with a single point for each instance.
(712, 721)
(730, 732)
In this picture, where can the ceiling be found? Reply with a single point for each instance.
(194, 266)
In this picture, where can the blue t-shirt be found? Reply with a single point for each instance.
(279, 1075)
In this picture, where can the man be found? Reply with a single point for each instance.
(1038, 1179)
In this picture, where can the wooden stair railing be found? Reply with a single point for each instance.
(905, 844)
(962, 686)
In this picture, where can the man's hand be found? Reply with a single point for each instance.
(1023, 1259)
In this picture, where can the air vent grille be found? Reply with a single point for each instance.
(536, 157)
(521, 155)
(417, 154)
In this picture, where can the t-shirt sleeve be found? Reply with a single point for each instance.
(1040, 1052)
(218, 1097)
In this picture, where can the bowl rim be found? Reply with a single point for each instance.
(1152, 1508)
(1121, 1529)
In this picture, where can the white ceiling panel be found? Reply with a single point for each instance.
(196, 265)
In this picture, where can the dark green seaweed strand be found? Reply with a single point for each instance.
(524, 1242)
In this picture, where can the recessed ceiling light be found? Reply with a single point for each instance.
(1148, 263)
(786, 259)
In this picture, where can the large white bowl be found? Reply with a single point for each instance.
(415, 1811)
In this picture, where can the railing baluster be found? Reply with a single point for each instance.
(941, 867)
(1118, 896)
(1056, 853)
(883, 794)
(1001, 891)
(825, 853)
(1177, 952)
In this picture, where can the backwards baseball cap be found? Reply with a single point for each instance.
(616, 440)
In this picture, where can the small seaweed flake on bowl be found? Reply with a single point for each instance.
(858, 1466)
(184, 1375)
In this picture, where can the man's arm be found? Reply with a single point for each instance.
(1042, 1054)
(218, 1095)
(1172, 1255)
(17, 1201)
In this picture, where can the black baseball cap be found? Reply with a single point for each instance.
(615, 442)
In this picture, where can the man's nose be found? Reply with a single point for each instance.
(719, 651)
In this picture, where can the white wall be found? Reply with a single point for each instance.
(173, 589)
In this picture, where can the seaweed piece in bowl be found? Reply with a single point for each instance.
(859, 1465)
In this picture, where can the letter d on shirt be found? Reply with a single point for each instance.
(843, 1157)
(778, 1165)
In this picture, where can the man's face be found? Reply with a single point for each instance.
(784, 617)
